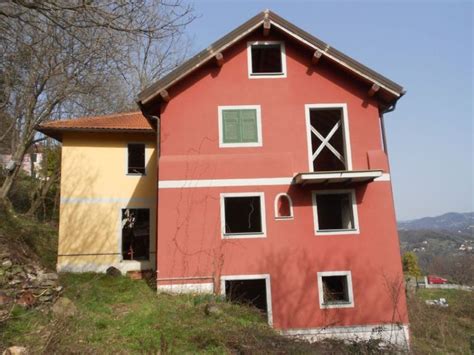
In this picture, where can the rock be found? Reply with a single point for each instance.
(64, 307)
(27, 299)
(212, 309)
(48, 283)
(113, 271)
(5, 299)
(6, 264)
(16, 350)
(50, 276)
(46, 298)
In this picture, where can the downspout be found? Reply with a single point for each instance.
(156, 122)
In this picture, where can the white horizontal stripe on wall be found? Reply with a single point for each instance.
(186, 184)
(174, 184)
(126, 200)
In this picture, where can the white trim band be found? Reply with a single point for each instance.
(207, 287)
(189, 184)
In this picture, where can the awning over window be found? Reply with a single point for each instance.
(335, 177)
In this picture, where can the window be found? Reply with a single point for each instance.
(283, 207)
(254, 290)
(266, 59)
(328, 138)
(135, 234)
(239, 126)
(243, 215)
(335, 289)
(136, 158)
(335, 212)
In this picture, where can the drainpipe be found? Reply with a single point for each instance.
(382, 123)
(155, 121)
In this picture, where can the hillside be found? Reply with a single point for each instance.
(462, 223)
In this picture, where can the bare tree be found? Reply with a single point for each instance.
(65, 58)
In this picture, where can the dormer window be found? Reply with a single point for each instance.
(266, 59)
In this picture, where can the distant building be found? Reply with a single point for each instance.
(31, 163)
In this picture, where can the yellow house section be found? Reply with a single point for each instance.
(95, 188)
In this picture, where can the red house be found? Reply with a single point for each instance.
(274, 183)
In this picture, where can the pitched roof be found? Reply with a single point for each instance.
(131, 122)
(394, 90)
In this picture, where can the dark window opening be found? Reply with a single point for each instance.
(335, 211)
(136, 158)
(266, 59)
(283, 206)
(135, 234)
(250, 292)
(330, 155)
(335, 289)
(242, 215)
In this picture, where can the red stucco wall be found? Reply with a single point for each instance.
(189, 231)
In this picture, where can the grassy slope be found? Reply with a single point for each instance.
(118, 315)
(437, 330)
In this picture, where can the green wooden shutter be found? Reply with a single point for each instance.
(231, 126)
(248, 125)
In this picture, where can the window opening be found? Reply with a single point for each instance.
(135, 234)
(136, 158)
(327, 139)
(250, 292)
(266, 59)
(335, 289)
(243, 215)
(335, 211)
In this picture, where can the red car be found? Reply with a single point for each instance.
(432, 279)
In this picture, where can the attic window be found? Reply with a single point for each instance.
(242, 215)
(335, 212)
(266, 59)
(135, 234)
(136, 159)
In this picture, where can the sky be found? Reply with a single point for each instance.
(427, 47)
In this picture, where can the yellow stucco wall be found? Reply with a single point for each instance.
(95, 188)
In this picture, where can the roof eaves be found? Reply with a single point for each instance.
(150, 92)
(56, 132)
(202, 57)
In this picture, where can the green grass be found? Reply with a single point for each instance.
(437, 330)
(119, 315)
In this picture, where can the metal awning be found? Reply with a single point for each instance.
(337, 177)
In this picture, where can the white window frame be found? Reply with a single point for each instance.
(345, 131)
(268, 289)
(262, 234)
(126, 160)
(266, 76)
(220, 125)
(350, 292)
(283, 218)
(318, 232)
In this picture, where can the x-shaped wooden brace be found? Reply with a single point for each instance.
(325, 142)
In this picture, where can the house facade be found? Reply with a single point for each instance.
(256, 170)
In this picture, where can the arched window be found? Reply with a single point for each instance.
(283, 207)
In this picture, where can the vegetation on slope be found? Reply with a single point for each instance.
(120, 315)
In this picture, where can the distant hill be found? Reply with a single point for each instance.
(452, 222)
